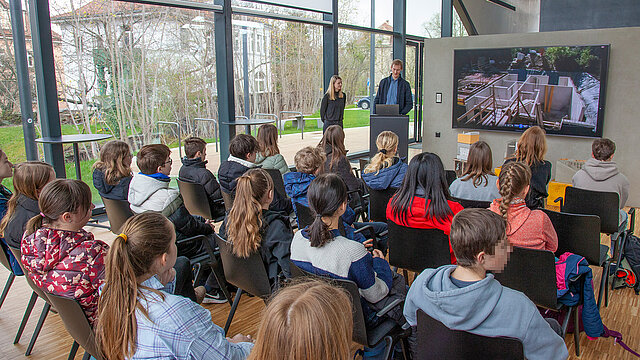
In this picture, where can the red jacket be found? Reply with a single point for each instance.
(417, 218)
(66, 263)
(528, 228)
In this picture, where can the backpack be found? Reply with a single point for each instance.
(629, 269)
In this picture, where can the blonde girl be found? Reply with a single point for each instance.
(386, 169)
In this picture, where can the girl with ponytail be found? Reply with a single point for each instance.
(59, 256)
(525, 228)
(138, 317)
(386, 169)
(252, 227)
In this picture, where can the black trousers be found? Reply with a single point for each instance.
(184, 278)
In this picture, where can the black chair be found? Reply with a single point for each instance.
(305, 216)
(475, 204)
(278, 182)
(580, 234)
(118, 211)
(37, 292)
(77, 324)
(247, 274)
(378, 200)
(4, 260)
(358, 202)
(451, 176)
(387, 330)
(533, 272)
(227, 198)
(196, 200)
(436, 341)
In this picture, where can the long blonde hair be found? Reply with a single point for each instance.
(148, 236)
(331, 90)
(532, 146)
(28, 180)
(309, 320)
(387, 143)
(514, 178)
(245, 218)
(111, 156)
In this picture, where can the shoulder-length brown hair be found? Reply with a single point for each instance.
(268, 140)
(111, 161)
(309, 320)
(532, 146)
(479, 164)
(333, 139)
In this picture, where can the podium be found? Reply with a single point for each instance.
(399, 124)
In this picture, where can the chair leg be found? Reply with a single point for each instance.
(603, 283)
(7, 286)
(234, 306)
(36, 331)
(25, 317)
(565, 323)
(406, 276)
(576, 330)
(74, 350)
(86, 356)
(622, 239)
(388, 349)
(216, 267)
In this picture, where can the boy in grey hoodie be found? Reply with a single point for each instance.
(600, 173)
(465, 297)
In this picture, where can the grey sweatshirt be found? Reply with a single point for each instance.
(599, 175)
(485, 308)
(487, 191)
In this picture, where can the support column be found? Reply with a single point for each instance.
(400, 30)
(372, 60)
(46, 82)
(446, 23)
(224, 76)
(330, 46)
(24, 86)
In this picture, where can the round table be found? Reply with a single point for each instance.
(249, 122)
(74, 140)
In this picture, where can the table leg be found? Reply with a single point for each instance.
(76, 159)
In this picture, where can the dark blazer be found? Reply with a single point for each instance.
(405, 99)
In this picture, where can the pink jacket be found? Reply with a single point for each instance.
(527, 228)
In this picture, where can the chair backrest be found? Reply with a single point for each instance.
(195, 198)
(4, 260)
(76, 323)
(118, 211)
(451, 176)
(436, 341)
(305, 216)
(532, 272)
(417, 249)
(579, 234)
(18, 255)
(278, 182)
(249, 274)
(363, 164)
(587, 202)
(476, 204)
(378, 200)
(228, 199)
(359, 328)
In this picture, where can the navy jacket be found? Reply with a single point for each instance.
(405, 99)
(390, 177)
(118, 191)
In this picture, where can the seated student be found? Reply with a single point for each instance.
(600, 173)
(478, 181)
(269, 157)
(29, 179)
(306, 321)
(336, 157)
(466, 298)
(532, 146)
(138, 317)
(322, 249)
(149, 191)
(6, 171)
(252, 227)
(112, 173)
(59, 256)
(194, 169)
(422, 201)
(386, 170)
(526, 228)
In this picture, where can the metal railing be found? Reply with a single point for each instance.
(179, 134)
(299, 117)
(256, 116)
(216, 133)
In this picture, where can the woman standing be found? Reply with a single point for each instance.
(333, 102)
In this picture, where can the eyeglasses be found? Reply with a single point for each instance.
(170, 162)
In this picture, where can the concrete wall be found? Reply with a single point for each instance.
(556, 15)
(621, 115)
(489, 18)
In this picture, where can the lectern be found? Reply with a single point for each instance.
(399, 124)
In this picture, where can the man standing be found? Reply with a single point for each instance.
(395, 90)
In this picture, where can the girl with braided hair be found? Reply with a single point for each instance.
(525, 227)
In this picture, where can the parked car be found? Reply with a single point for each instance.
(363, 102)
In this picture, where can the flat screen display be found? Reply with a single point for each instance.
(559, 88)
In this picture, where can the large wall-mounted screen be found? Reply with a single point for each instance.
(560, 88)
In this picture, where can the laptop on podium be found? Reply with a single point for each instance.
(384, 109)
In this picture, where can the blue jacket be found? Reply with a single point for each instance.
(5, 195)
(118, 191)
(569, 266)
(405, 99)
(389, 177)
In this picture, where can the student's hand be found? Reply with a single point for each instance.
(368, 243)
(167, 276)
(377, 253)
(210, 223)
(240, 338)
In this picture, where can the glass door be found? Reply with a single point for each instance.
(413, 74)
